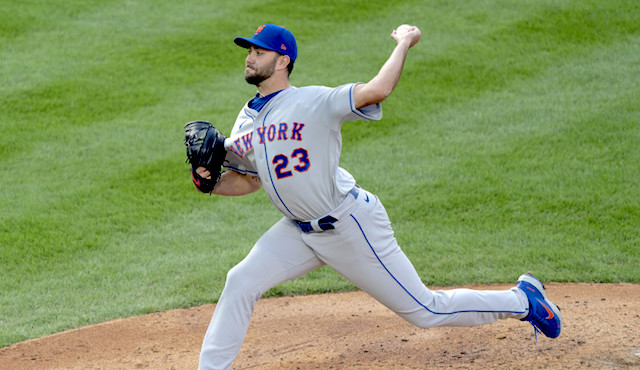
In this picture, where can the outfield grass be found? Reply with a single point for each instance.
(511, 144)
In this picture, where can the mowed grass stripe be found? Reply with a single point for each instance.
(98, 69)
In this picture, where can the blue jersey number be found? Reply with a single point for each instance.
(281, 163)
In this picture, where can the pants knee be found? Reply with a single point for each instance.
(423, 320)
(241, 285)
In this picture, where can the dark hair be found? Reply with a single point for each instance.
(290, 66)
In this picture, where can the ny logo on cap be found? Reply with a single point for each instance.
(259, 30)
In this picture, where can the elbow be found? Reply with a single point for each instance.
(254, 184)
(381, 95)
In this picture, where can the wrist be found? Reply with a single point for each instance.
(203, 184)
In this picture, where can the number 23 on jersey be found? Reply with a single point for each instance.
(298, 160)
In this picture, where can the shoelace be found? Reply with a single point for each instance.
(535, 331)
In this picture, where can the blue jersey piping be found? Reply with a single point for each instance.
(266, 159)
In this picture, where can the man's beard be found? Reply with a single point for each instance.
(261, 74)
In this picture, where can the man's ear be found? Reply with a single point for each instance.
(283, 61)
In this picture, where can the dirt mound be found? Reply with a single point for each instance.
(351, 330)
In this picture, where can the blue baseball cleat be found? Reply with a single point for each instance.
(543, 314)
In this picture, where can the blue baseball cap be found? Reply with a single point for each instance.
(271, 37)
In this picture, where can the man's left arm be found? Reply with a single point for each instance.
(381, 86)
(232, 183)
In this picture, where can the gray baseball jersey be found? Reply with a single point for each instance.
(294, 145)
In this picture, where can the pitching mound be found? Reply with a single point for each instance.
(353, 331)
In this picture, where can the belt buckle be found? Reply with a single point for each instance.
(324, 224)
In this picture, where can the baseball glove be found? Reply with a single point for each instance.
(205, 148)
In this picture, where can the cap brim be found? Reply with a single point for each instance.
(247, 43)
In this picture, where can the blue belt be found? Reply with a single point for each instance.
(325, 223)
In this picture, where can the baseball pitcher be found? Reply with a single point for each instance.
(287, 140)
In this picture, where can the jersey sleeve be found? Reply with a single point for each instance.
(345, 106)
(239, 156)
(336, 105)
(236, 163)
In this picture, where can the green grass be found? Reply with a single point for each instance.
(511, 144)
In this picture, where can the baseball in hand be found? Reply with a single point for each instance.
(403, 29)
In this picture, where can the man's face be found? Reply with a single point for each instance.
(260, 64)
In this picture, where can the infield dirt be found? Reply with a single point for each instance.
(353, 331)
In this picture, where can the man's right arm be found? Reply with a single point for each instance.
(381, 86)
